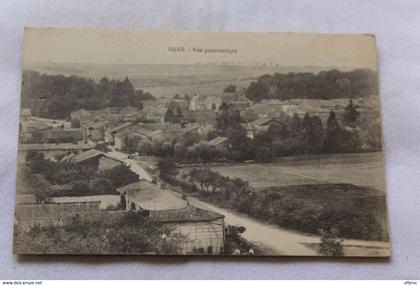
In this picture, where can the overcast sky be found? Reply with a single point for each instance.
(151, 47)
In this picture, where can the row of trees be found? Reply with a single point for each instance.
(290, 135)
(324, 85)
(55, 96)
(296, 136)
(333, 217)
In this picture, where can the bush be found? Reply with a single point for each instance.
(102, 186)
(120, 175)
(80, 187)
(263, 154)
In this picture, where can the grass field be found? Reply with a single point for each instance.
(361, 169)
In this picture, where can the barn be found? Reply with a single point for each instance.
(203, 229)
(94, 157)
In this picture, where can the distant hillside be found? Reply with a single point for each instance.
(158, 79)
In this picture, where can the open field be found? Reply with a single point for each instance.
(361, 169)
(205, 88)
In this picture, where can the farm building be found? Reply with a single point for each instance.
(220, 143)
(111, 131)
(138, 131)
(93, 157)
(156, 111)
(144, 195)
(131, 116)
(58, 135)
(51, 150)
(95, 130)
(259, 125)
(204, 230)
(83, 115)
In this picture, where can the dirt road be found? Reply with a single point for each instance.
(276, 240)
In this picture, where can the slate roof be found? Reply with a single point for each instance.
(186, 214)
(150, 197)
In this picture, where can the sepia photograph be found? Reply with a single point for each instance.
(136, 142)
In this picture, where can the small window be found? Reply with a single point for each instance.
(209, 250)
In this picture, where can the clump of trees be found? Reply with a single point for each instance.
(323, 85)
(287, 136)
(83, 178)
(56, 96)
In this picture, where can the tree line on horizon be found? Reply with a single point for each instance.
(56, 96)
(329, 84)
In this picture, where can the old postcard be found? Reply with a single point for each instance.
(194, 143)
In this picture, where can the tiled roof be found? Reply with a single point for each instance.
(86, 155)
(150, 197)
(186, 214)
